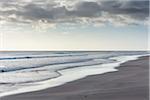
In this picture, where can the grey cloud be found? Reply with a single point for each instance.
(54, 13)
(87, 9)
(135, 9)
(32, 11)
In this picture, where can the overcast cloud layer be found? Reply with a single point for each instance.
(54, 12)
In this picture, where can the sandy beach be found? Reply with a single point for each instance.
(131, 82)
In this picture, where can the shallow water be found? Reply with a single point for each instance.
(31, 71)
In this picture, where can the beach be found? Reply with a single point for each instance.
(131, 82)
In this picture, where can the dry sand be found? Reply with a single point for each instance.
(131, 82)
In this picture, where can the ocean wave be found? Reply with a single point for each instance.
(34, 57)
(24, 75)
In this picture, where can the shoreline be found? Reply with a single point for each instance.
(63, 92)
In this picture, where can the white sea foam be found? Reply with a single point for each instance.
(69, 72)
(41, 73)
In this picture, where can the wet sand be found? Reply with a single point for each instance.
(131, 82)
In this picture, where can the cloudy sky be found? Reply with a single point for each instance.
(74, 24)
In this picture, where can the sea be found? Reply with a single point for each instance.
(27, 71)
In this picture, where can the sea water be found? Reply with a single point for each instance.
(36, 70)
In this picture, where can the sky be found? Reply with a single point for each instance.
(74, 24)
